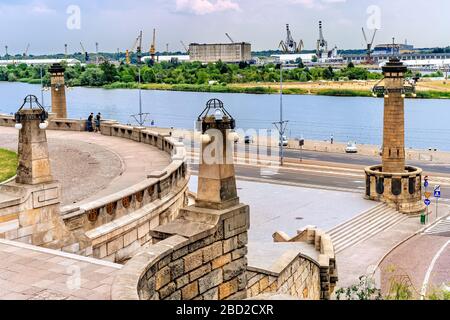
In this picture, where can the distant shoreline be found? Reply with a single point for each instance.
(332, 89)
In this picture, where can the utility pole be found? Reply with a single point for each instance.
(282, 124)
(96, 53)
(6, 54)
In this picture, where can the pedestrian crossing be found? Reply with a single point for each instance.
(440, 228)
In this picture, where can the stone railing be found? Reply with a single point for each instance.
(305, 276)
(116, 226)
(201, 255)
(7, 120)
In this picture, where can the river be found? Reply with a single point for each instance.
(313, 117)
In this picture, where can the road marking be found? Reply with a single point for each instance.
(423, 292)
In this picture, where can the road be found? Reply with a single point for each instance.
(324, 170)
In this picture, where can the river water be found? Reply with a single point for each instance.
(313, 117)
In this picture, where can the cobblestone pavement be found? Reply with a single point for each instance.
(33, 273)
(411, 261)
(90, 166)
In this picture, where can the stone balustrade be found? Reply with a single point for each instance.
(116, 226)
(305, 276)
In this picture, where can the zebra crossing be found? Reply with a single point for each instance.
(440, 228)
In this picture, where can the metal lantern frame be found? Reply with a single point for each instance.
(31, 100)
(410, 88)
(211, 107)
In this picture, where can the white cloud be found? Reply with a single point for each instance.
(316, 4)
(201, 7)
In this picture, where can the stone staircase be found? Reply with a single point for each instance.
(364, 226)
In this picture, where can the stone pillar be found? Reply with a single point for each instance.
(394, 118)
(59, 106)
(216, 177)
(34, 162)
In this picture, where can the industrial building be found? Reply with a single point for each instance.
(30, 62)
(396, 49)
(226, 52)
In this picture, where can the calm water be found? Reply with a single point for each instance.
(314, 117)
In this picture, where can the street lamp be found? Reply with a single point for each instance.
(282, 124)
(38, 113)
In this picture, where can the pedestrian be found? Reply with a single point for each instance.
(98, 119)
(89, 126)
(332, 139)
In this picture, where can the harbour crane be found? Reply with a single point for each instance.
(228, 36)
(289, 45)
(369, 45)
(322, 44)
(153, 47)
(136, 46)
(86, 54)
(25, 53)
(6, 52)
(185, 47)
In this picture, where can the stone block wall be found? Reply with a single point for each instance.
(300, 279)
(202, 257)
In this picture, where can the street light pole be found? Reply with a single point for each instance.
(141, 122)
(281, 125)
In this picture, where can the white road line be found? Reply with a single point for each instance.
(423, 292)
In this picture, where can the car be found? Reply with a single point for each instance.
(351, 147)
(285, 141)
(248, 139)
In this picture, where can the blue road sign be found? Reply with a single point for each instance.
(427, 202)
(426, 184)
(437, 191)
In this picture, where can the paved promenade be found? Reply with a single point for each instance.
(33, 273)
(90, 166)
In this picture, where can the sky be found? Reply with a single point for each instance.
(48, 24)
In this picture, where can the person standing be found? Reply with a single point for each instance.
(98, 119)
(332, 139)
(89, 126)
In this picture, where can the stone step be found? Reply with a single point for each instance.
(379, 217)
(361, 218)
(441, 227)
(370, 232)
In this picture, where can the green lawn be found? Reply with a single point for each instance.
(8, 164)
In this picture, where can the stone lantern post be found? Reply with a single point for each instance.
(58, 91)
(34, 162)
(393, 182)
(216, 178)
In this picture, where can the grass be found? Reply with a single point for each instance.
(8, 164)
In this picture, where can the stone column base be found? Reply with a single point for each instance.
(402, 191)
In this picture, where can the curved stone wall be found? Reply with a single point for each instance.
(116, 226)
(402, 191)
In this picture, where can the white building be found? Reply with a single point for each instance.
(306, 57)
(32, 62)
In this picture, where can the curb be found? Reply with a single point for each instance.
(405, 240)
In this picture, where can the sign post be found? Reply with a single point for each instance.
(437, 195)
(427, 198)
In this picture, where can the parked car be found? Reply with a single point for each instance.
(285, 141)
(351, 147)
(248, 139)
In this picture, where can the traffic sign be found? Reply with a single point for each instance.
(426, 184)
(427, 195)
(427, 202)
(437, 191)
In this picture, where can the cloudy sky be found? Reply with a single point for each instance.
(48, 24)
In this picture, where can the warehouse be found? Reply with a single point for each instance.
(229, 52)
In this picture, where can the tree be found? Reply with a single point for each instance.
(350, 65)
(148, 75)
(109, 72)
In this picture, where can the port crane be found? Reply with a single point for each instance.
(86, 54)
(6, 52)
(136, 46)
(185, 47)
(228, 36)
(322, 44)
(289, 45)
(25, 53)
(369, 59)
(153, 47)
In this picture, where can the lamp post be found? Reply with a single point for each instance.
(216, 177)
(34, 163)
(282, 124)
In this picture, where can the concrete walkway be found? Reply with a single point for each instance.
(90, 166)
(33, 273)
